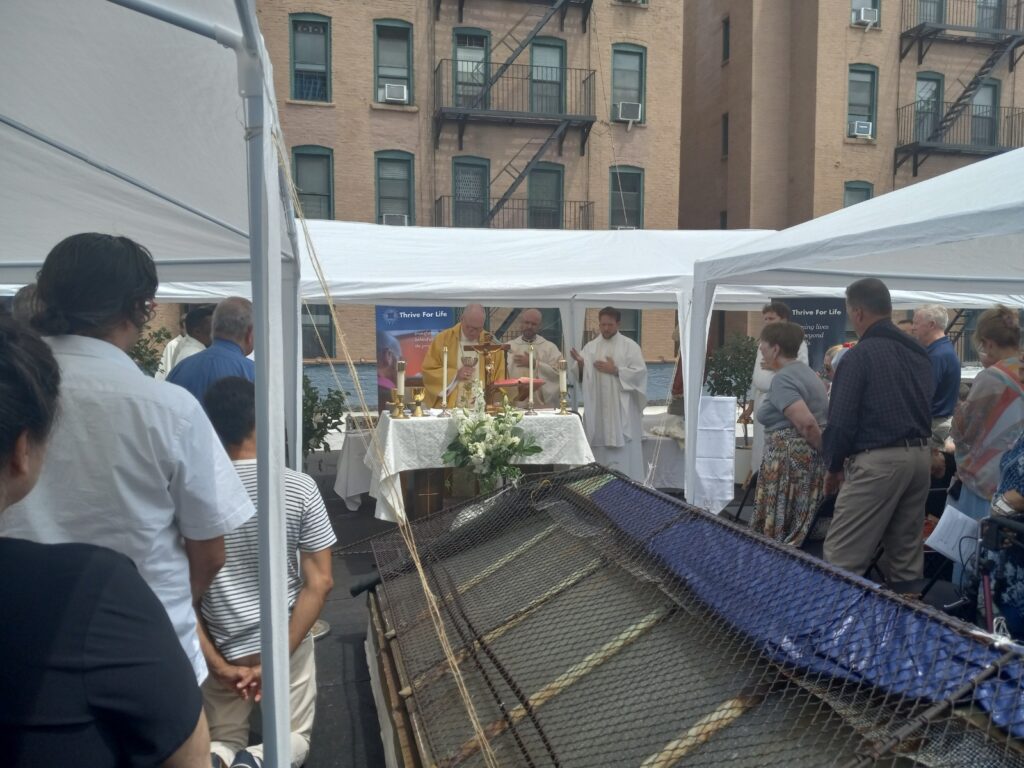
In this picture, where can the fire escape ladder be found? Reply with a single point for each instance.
(556, 6)
(556, 135)
(964, 99)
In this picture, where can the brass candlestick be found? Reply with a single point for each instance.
(397, 405)
(563, 400)
(564, 404)
(417, 398)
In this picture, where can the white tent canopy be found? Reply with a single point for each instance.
(959, 234)
(155, 119)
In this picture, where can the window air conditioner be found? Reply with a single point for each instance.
(396, 94)
(861, 129)
(396, 219)
(624, 227)
(628, 111)
(865, 17)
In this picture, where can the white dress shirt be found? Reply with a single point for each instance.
(177, 349)
(132, 464)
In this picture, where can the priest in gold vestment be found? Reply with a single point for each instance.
(468, 332)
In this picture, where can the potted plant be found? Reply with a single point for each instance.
(730, 371)
(320, 416)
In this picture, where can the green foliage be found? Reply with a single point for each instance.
(730, 371)
(148, 350)
(320, 415)
(731, 368)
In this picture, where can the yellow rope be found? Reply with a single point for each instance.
(403, 524)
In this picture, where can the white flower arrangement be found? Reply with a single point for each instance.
(488, 443)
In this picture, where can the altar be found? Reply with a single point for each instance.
(417, 443)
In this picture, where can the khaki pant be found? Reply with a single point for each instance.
(882, 502)
(228, 715)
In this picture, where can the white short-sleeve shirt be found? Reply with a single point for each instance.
(133, 464)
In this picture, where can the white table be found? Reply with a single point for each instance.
(663, 452)
(353, 477)
(410, 444)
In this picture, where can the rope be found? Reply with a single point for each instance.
(405, 529)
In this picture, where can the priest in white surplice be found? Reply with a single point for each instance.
(614, 378)
(545, 361)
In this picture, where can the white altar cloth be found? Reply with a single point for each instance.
(409, 444)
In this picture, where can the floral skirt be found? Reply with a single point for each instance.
(790, 486)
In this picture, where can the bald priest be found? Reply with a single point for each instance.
(468, 332)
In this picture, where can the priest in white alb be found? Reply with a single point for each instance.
(614, 377)
(545, 361)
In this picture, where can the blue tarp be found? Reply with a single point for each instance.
(802, 616)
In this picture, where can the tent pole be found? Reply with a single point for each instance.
(265, 254)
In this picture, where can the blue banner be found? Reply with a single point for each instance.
(824, 323)
(405, 333)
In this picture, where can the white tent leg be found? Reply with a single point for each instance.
(265, 253)
(292, 367)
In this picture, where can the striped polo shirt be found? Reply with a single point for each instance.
(231, 606)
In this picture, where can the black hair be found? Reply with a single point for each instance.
(871, 294)
(196, 317)
(91, 282)
(29, 386)
(779, 308)
(611, 312)
(231, 405)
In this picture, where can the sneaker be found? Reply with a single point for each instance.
(246, 759)
(216, 762)
(320, 628)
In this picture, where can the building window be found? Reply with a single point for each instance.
(545, 197)
(857, 192)
(317, 331)
(723, 219)
(984, 108)
(472, 66)
(927, 104)
(470, 191)
(725, 135)
(857, 5)
(725, 38)
(629, 326)
(629, 75)
(861, 100)
(547, 76)
(311, 57)
(626, 202)
(313, 169)
(393, 60)
(395, 198)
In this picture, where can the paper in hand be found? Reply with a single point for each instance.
(955, 527)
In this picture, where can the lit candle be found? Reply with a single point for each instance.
(444, 367)
(561, 376)
(401, 378)
(531, 375)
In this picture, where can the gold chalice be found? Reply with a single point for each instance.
(418, 393)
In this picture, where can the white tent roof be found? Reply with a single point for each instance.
(959, 232)
(372, 264)
(112, 121)
(958, 237)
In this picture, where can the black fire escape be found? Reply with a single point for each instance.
(561, 98)
(961, 126)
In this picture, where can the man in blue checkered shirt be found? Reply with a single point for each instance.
(876, 443)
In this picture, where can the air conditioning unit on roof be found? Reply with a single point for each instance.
(865, 17)
(396, 94)
(628, 111)
(861, 129)
(395, 219)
